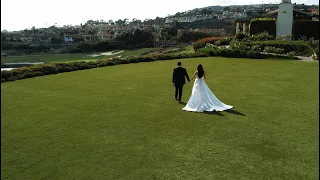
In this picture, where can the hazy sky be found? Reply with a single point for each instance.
(22, 14)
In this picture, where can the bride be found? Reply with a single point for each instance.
(202, 99)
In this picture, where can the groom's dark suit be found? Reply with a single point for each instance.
(178, 79)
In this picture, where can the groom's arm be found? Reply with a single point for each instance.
(186, 74)
(173, 76)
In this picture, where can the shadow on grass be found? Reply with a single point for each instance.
(213, 113)
(217, 112)
(234, 112)
(182, 103)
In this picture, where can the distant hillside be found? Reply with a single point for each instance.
(212, 8)
(210, 23)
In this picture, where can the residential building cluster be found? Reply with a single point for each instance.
(109, 31)
(72, 34)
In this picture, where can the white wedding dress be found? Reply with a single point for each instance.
(202, 99)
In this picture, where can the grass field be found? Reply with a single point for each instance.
(54, 58)
(121, 122)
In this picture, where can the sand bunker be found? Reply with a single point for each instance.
(106, 53)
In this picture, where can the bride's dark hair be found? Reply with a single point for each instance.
(200, 71)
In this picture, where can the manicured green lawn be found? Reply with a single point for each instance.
(47, 58)
(136, 52)
(55, 58)
(121, 122)
(188, 49)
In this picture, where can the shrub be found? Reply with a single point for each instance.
(218, 43)
(291, 54)
(211, 49)
(84, 47)
(256, 48)
(132, 59)
(18, 71)
(71, 50)
(239, 46)
(260, 25)
(147, 58)
(315, 43)
(305, 28)
(263, 36)
(65, 67)
(193, 55)
(38, 73)
(317, 53)
(204, 50)
(300, 47)
(30, 74)
(247, 39)
(101, 46)
(203, 42)
(167, 56)
(254, 54)
(92, 64)
(239, 53)
(102, 63)
(81, 65)
(223, 42)
(226, 41)
(6, 74)
(270, 49)
(314, 56)
(11, 78)
(230, 52)
(45, 69)
(118, 60)
(240, 36)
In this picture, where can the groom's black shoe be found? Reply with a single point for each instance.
(176, 98)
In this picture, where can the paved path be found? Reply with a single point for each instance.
(301, 58)
(306, 59)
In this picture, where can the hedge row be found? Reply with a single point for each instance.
(239, 53)
(264, 36)
(300, 47)
(260, 25)
(46, 69)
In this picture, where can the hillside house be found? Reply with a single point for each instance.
(106, 37)
(45, 40)
(68, 39)
(90, 38)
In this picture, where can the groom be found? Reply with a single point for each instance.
(178, 80)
